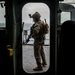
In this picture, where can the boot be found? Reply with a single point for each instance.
(44, 64)
(38, 68)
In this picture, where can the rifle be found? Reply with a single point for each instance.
(32, 33)
(28, 39)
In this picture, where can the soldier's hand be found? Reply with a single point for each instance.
(30, 15)
(27, 40)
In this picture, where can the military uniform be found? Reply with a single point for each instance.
(38, 44)
(39, 37)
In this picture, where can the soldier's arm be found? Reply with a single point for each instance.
(36, 28)
(30, 35)
(27, 40)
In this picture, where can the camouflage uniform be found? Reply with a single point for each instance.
(38, 43)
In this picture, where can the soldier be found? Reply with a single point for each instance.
(39, 37)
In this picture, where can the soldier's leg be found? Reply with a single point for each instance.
(43, 56)
(37, 57)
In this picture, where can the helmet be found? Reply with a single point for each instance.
(36, 15)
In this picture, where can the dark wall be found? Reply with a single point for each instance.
(9, 21)
(3, 52)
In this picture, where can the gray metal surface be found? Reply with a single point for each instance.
(28, 59)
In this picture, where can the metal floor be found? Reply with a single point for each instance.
(29, 61)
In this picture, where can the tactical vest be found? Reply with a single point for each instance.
(37, 30)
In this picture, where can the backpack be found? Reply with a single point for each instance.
(45, 28)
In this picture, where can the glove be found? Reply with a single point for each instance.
(27, 40)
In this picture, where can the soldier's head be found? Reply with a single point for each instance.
(36, 16)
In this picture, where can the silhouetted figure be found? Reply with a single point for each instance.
(37, 33)
(66, 57)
